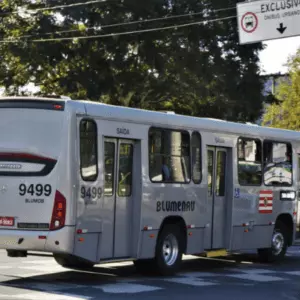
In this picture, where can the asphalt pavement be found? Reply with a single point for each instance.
(238, 276)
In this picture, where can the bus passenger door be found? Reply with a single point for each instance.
(217, 168)
(120, 164)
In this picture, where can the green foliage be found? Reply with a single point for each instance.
(286, 113)
(198, 70)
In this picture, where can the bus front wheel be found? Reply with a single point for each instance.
(72, 262)
(279, 245)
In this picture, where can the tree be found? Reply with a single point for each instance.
(286, 113)
(198, 70)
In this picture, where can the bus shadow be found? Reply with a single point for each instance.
(100, 275)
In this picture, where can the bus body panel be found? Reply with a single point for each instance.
(31, 138)
(189, 201)
(31, 144)
(242, 225)
(252, 226)
(104, 212)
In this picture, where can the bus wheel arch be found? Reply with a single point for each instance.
(175, 221)
(287, 220)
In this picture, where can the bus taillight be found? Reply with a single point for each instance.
(59, 212)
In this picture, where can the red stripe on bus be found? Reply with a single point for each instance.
(265, 198)
(24, 156)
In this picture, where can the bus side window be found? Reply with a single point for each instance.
(88, 150)
(249, 161)
(196, 157)
(169, 156)
(277, 163)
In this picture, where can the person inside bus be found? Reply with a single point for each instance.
(166, 174)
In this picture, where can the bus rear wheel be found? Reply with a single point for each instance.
(279, 245)
(169, 250)
(72, 262)
(168, 253)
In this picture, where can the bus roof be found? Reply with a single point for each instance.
(156, 118)
(26, 98)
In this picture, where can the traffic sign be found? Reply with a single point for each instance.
(268, 20)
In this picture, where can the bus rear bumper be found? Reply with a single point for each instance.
(45, 241)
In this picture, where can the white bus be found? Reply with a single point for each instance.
(94, 183)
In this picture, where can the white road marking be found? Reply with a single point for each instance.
(27, 275)
(297, 273)
(40, 262)
(44, 269)
(47, 296)
(120, 288)
(190, 281)
(256, 277)
(6, 267)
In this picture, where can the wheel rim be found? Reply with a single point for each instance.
(170, 250)
(277, 243)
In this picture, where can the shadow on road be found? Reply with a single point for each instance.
(109, 274)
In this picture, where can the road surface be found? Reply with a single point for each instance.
(239, 277)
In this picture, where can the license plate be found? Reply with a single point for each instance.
(7, 221)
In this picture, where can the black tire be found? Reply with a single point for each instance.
(160, 265)
(272, 254)
(72, 262)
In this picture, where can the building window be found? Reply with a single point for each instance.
(249, 161)
(88, 150)
(277, 164)
(169, 156)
